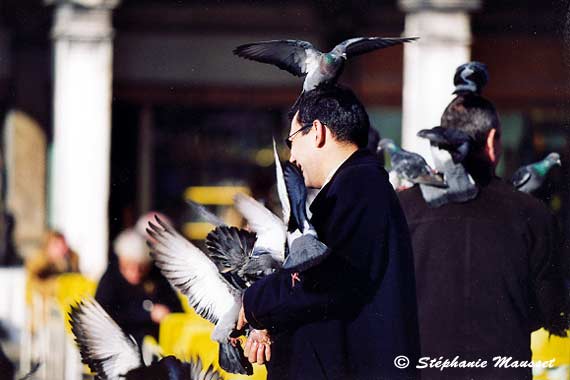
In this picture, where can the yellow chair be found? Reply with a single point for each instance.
(546, 347)
(188, 335)
(71, 288)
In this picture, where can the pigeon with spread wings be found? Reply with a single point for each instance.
(111, 354)
(300, 58)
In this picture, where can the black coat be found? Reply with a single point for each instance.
(124, 302)
(486, 275)
(349, 317)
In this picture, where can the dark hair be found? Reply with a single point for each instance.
(472, 114)
(338, 108)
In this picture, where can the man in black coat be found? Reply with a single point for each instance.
(487, 270)
(351, 316)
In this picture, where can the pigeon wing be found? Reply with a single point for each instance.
(293, 56)
(189, 270)
(104, 347)
(521, 177)
(360, 45)
(297, 195)
(271, 231)
(198, 373)
(230, 247)
(205, 214)
(281, 188)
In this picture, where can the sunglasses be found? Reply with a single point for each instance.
(288, 140)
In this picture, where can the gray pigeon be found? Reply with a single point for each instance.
(470, 77)
(111, 354)
(411, 166)
(300, 58)
(530, 178)
(190, 270)
(449, 147)
(213, 281)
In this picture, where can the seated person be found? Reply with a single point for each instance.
(56, 257)
(133, 291)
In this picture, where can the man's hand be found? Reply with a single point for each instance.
(258, 347)
(158, 312)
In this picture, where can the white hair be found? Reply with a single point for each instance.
(132, 246)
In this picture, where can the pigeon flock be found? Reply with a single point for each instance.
(214, 279)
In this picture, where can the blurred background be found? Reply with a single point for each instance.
(114, 108)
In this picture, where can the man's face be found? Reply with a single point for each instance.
(302, 151)
(133, 271)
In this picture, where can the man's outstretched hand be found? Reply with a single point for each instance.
(258, 347)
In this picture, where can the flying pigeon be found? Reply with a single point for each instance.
(300, 58)
(190, 270)
(410, 166)
(449, 147)
(213, 281)
(529, 178)
(111, 354)
(470, 77)
(289, 242)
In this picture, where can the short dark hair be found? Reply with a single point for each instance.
(472, 114)
(338, 108)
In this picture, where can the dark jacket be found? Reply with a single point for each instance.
(352, 315)
(124, 302)
(487, 275)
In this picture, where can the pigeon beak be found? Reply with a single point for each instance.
(558, 162)
(343, 56)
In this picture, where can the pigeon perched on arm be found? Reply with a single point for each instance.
(411, 166)
(449, 147)
(111, 354)
(300, 58)
(530, 178)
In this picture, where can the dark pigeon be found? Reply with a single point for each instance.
(470, 77)
(452, 140)
(530, 178)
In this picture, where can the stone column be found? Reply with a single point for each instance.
(82, 47)
(429, 63)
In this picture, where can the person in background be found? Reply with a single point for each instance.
(134, 292)
(487, 270)
(56, 257)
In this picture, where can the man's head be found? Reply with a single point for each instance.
(325, 123)
(134, 260)
(477, 117)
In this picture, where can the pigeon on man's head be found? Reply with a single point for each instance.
(530, 178)
(470, 77)
(410, 166)
(111, 354)
(300, 58)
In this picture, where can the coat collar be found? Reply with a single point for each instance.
(361, 156)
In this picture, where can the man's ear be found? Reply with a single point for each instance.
(490, 146)
(321, 133)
